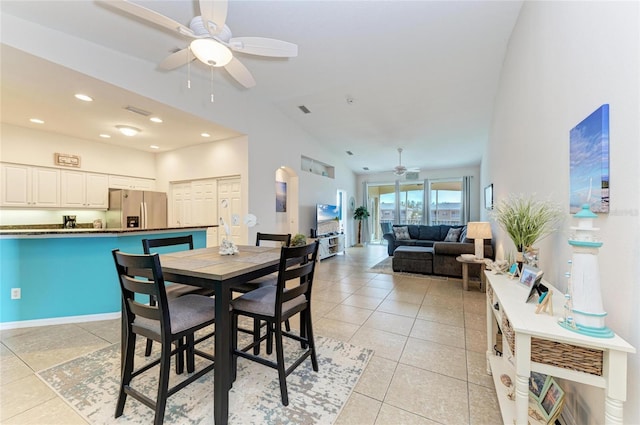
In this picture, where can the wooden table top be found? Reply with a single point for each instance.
(208, 263)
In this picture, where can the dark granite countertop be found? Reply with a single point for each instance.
(86, 231)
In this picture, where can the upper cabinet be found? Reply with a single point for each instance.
(84, 190)
(135, 183)
(26, 186)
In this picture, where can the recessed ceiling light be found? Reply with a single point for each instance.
(154, 147)
(36, 121)
(156, 119)
(84, 97)
(105, 136)
(128, 130)
(205, 134)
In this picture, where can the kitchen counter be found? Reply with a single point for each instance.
(68, 275)
(56, 232)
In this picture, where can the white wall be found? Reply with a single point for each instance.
(27, 146)
(565, 59)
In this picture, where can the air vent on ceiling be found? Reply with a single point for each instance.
(365, 168)
(349, 153)
(137, 110)
(412, 175)
(304, 109)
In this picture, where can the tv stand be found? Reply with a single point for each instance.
(330, 245)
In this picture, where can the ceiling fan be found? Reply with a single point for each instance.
(212, 40)
(399, 170)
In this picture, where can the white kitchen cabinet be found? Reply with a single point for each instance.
(135, 183)
(25, 186)
(84, 190)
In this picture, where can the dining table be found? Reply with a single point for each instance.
(208, 268)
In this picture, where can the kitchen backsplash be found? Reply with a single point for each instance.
(51, 219)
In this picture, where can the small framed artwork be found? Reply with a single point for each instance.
(281, 197)
(546, 395)
(528, 275)
(488, 197)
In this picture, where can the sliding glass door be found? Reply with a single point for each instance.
(411, 203)
(445, 202)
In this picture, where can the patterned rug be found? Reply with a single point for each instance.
(90, 384)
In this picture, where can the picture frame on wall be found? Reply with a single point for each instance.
(488, 197)
(281, 197)
(589, 162)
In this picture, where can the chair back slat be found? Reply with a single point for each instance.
(131, 268)
(296, 263)
(284, 239)
(147, 244)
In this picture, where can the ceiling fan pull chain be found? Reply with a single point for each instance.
(211, 84)
(188, 68)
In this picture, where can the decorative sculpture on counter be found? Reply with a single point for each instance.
(584, 311)
(227, 247)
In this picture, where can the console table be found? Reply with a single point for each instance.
(530, 341)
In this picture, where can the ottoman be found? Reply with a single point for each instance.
(413, 259)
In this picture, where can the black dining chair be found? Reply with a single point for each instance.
(173, 290)
(169, 322)
(275, 304)
(268, 280)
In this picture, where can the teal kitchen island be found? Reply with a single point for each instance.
(66, 276)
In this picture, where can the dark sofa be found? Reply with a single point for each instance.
(444, 253)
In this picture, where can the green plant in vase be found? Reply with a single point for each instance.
(360, 214)
(526, 221)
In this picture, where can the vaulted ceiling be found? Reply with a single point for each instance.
(375, 75)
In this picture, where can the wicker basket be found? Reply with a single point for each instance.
(566, 356)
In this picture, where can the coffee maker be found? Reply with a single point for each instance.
(69, 221)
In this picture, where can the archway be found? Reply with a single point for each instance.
(287, 221)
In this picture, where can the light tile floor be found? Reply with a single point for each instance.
(428, 335)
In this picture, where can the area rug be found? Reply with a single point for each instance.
(89, 384)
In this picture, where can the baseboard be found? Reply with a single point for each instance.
(59, 321)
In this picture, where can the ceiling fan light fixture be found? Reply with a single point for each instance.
(211, 52)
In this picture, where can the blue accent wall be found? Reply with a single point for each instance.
(66, 276)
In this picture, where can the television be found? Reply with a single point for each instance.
(327, 219)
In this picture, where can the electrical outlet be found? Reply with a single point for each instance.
(15, 293)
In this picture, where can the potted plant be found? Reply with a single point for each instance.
(360, 214)
(299, 240)
(526, 220)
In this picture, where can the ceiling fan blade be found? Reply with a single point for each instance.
(176, 60)
(151, 16)
(240, 72)
(264, 47)
(213, 11)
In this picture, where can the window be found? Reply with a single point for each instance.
(445, 202)
(411, 197)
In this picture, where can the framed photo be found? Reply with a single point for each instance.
(537, 382)
(281, 196)
(547, 395)
(552, 400)
(528, 276)
(488, 197)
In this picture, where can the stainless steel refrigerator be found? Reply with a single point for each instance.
(140, 209)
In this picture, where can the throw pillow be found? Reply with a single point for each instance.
(453, 235)
(463, 234)
(401, 233)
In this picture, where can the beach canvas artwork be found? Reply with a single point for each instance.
(589, 162)
(281, 197)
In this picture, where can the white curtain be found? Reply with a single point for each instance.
(366, 235)
(465, 208)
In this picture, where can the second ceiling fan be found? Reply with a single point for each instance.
(213, 43)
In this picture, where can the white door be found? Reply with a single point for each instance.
(230, 208)
(181, 204)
